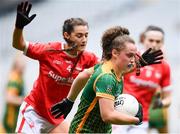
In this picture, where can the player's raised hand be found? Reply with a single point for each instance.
(62, 108)
(149, 57)
(22, 18)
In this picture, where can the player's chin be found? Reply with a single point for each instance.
(81, 48)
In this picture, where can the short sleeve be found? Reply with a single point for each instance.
(166, 78)
(39, 51)
(94, 60)
(104, 86)
(90, 58)
(35, 50)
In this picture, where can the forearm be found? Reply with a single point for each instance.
(118, 118)
(78, 85)
(18, 39)
(110, 115)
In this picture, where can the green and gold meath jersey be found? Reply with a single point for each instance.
(15, 86)
(102, 83)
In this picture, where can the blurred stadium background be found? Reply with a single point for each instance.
(101, 14)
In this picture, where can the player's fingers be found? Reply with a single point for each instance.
(157, 53)
(54, 107)
(159, 58)
(54, 112)
(19, 7)
(25, 6)
(157, 62)
(29, 8)
(58, 115)
(147, 51)
(32, 17)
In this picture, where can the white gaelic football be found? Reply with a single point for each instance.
(126, 104)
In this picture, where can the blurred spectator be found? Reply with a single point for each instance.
(2, 128)
(14, 94)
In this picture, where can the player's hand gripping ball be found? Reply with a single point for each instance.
(129, 105)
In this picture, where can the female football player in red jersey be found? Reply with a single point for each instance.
(154, 79)
(59, 64)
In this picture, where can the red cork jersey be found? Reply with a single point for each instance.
(55, 76)
(144, 86)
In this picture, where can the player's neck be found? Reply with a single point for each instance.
(116, 71)
(72, 52)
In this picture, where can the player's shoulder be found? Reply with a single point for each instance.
(106, 76)
(55, 45)
(165, 63)
(88, 53)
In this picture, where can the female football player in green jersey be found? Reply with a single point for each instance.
(96, 108)
(96, 112)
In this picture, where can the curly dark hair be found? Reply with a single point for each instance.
(114, 38)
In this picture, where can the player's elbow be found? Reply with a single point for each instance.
(14, 45)
(19, 46)
(106, 118)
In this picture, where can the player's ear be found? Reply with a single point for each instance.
(115, 52)
(66, 35)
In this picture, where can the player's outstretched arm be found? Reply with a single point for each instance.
(79, 83)
(22, 19)
(64, 107)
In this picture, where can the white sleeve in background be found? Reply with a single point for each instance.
(26, 47)
(167, 88)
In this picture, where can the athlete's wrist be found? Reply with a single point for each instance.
(70, 100)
